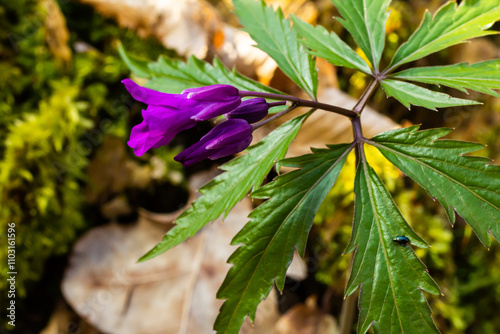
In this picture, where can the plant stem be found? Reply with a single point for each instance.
(347, 312)
(273, 117)
(276, 104)
(302, 103)
(356, 129)
(358, 108)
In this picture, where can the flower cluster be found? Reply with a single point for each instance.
(168, 114)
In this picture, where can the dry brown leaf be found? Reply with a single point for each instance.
(474, 51)
(186, 26)
(116, 207)
(193, 27)
(57, 33)
(59, 320)
(266, 316)
(111, 172)
(173, 293)
(306, 319)
(304, 9)
(190, 27)
(238, 50)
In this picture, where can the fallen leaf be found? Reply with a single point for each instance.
(306, 319)
(194, 27)
(173, 293)
(186, 26)
(57, 35)
(110, 171)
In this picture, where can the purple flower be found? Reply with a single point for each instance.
(169, 114)
(227, 138)
(251, 110)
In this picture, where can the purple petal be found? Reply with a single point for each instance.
(150, 96)
(138, 137)
(161, 124)
(166, 122)
(215, 109)
(212, 93)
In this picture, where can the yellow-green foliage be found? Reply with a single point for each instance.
(38, 186)
(47, 104)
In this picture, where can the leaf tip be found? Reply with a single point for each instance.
(145, 257)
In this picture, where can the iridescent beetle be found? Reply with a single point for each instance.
(402, 240)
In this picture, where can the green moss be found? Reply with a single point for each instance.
(50, 109)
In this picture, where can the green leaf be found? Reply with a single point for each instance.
(277, 227)
(450, 25)
(274, 36)
(468, 185)
(137, 65)
(169, 74)
(365, 20)
(328, 46)
(222, 193)
(390, 275)
(173, 76)
(410, 94)
(482, 77)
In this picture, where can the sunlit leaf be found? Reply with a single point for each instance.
(173, 76)
(482, 77)
(222, 193)
(274, 35)
(468, 185)
(390, 275)
(276, 229)
(365, 20)
(410, 94)
(452, 24)
(328, 46)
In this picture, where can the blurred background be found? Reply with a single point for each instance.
(85, 208)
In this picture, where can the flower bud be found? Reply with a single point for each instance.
(225, 139)
(251, 110)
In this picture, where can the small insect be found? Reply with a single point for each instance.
(402, 240)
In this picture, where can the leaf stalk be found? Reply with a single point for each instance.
(302, 103)
(275, 116)
(363, 100)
